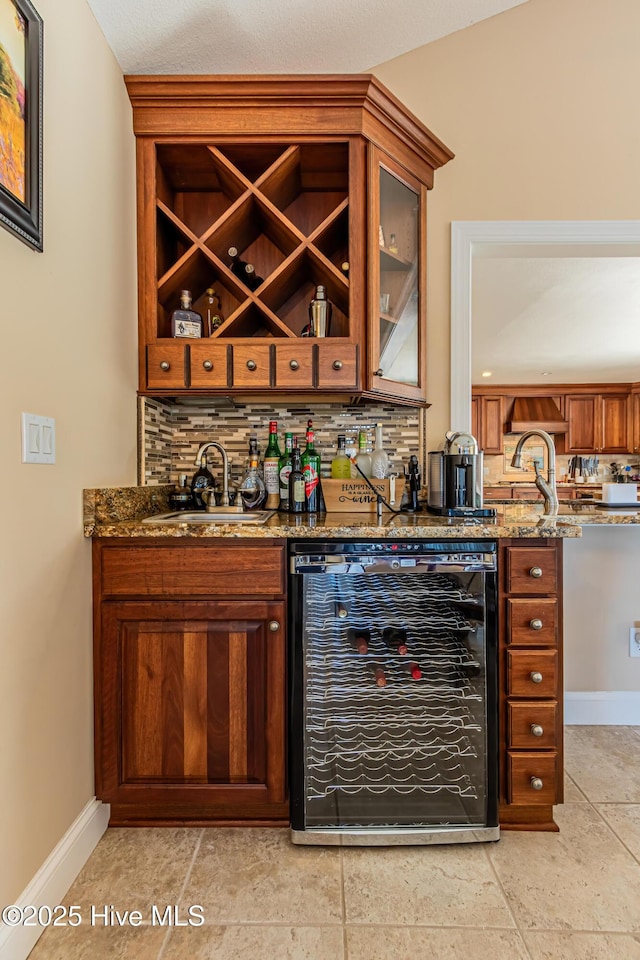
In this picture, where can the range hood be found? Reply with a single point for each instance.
(536, 413)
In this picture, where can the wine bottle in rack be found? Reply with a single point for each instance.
(344, 266)
(379, 674)
(396, 639)
(213, 317)
(359, 639)
(341, 611)
(413, 669)
(251, 278)
(237, 265)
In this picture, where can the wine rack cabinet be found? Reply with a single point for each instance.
(284, 169)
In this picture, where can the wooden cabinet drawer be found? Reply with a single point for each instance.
(209, 364)
(531, 570)
(196, 571)
(294, 364)
(523, 769)
(337, 364)
(525, 667)
(496, 493)
(532, 622)
(251, 365)
(532, 724)
(166, 365)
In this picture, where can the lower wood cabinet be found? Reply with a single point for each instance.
(190, 693)
(530, 650)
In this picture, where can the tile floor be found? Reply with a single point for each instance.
(574, 895)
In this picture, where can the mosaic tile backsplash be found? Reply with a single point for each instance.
(170, 433)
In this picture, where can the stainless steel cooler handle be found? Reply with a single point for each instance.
(421, 564)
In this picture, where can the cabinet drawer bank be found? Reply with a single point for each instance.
(190, 677)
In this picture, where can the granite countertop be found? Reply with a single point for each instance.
(118, 512)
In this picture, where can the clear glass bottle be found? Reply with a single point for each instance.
(186, 322)
(341, 464)
(297, 500)
(271, 467)
(379, 457)
(253, 492)
(213, 317)
(363, 459)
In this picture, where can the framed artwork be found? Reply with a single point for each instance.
(21, 120)
(533, 451)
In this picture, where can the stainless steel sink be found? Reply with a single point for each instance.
(219, 516)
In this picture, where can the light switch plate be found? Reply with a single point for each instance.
(38, 439)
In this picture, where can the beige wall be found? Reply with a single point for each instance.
(69, 351)
(539, 105)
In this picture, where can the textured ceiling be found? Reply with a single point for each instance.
(279, 36)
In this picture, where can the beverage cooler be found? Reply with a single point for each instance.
(393, 696)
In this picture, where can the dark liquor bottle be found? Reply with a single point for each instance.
(186, 322)
(284, 470)
(213, 317)
(297, 499)
(359, 639)
(396, 639)
(237, 265)
(311, 470)
(271, 467)
(202, 479)
(251, 278)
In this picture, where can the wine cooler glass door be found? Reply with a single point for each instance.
(397, 702)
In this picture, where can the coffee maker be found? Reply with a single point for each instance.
(455, 478)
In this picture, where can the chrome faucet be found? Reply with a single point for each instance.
(224, 500)
(546, 487)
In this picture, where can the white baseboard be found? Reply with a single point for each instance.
(602, 707)
(55, 876)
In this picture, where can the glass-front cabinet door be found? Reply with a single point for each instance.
(397, 279)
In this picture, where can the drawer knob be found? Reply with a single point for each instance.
(207, 364)
(379, 372)
(165, 365)
(536, 623)
(337, 364)
(536, 677)
(537, 783)
(294, 364)
(274, 626)
(535, 572)
(252, 365)
(537, 730)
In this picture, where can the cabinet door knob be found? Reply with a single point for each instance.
(337, 364)
(379, 372)
(294, 364)
(536, 676)
(207, 364)
(536, 623)
(165, 365)
(537, 730)
(274, 626)
(251, 365)
(537, 783)
(535, 572)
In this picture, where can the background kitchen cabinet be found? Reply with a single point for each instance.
(635, 401)
(487, 423)
(190, 682)
(599, 423)
(280, 168)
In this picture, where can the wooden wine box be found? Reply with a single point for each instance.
(356, 496)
